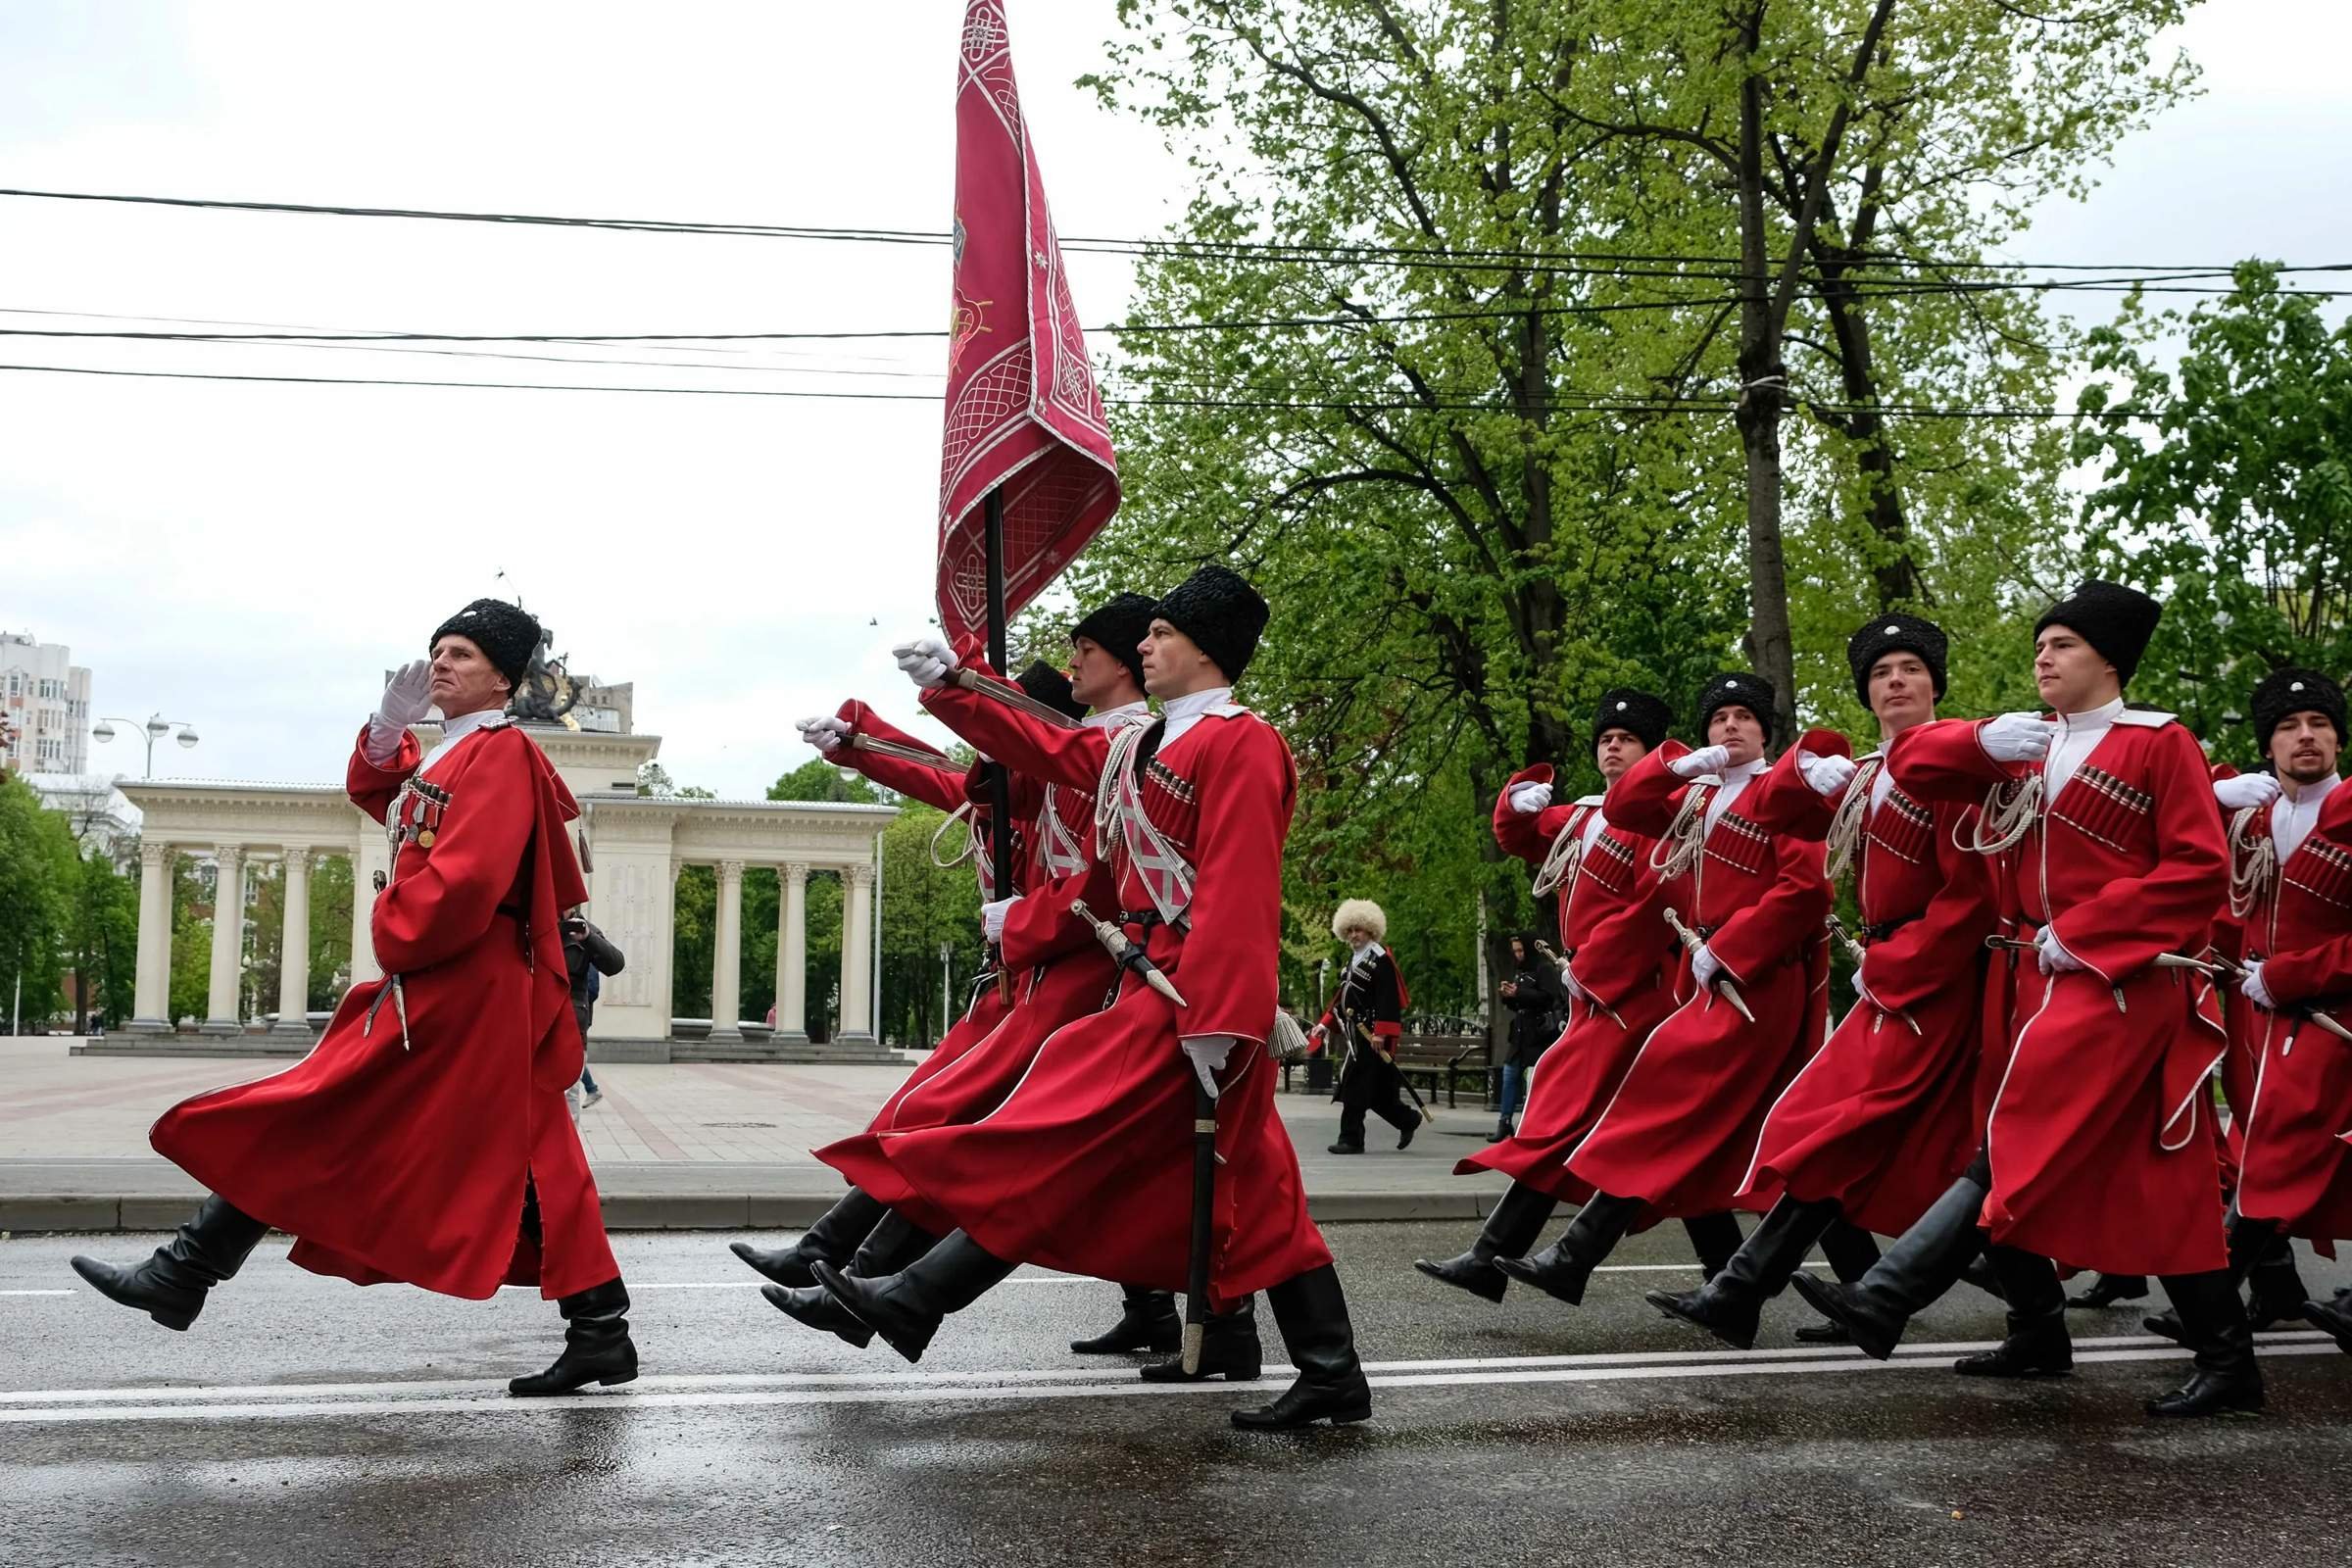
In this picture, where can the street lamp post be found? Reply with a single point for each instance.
(947, 984)
(156, 728)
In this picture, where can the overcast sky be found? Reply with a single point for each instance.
(250, 557)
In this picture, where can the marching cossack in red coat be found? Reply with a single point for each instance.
(2099, 1119)
(1882, 1119)
(1682, 1127)
(425, 1137)
(1623, 959)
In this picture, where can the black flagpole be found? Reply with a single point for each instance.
(1000, 785)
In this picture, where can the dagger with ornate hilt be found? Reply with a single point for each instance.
(1724, 988)
(1603, 1009)
(2220, 968)
(1127, 953)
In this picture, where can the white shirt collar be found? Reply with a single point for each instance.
(1596, 823)
(1734, 780)
(1364, 955)
(2296, 812)
(2077, 734)
(1115, 717)
(453, 730)
(1183, 713)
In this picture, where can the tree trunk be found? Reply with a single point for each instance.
(1763, 391)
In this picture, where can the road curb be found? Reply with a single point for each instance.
(82, 1213)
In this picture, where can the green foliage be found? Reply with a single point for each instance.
(1491, 472)
(2226, 488)
(40, 880)
(925, 905)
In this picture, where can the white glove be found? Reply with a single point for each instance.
(2016, 737)
(992, 916)
(1207, 1053)
(2055, 959)
(1529, 799)
(1569, 981)
(408, 697)
(2251, 987)
(2247, 788)
(1826, 776)
(827, 734)
(1706, 760)
(927, 662)
(1704, 968)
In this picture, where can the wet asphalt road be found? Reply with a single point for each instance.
(304, 1421)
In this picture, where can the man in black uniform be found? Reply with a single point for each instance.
(1362, 1027)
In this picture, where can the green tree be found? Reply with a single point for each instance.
(40, 878)
(2226, 485)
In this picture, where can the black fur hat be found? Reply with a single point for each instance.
(2294, 691)
(1118, 626)
(1050, 687)
(507, 634)
(1735, 689)
(1895, 632)
(1221, 612)
(2115, 619)
(1642, 714)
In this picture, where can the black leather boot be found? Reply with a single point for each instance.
(1730, 1304)
(1926, 1261)
(2332, 1317)
(2109, 1288)
(907, 1308)
(1229, 1350)
(596, 1343)
(811, 1306)
(2037, 1344)
(1850, 1252)
(890, 1247)
(834, 1237)
(2252, 1242)
(1148, 1321)
(1502, 1130)
(1563, 1269)
(2213, 1321)
(170, 1286)
(2276, 1293)
(1512, 1225)
(1312, 1312)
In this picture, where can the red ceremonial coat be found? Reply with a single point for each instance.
(1682, 1128)
(2102, 1154)
(2296, 1165)
(1087, 1167)
(391, 1162)
(1882, 1119)
(1621, 953)
(945, 788)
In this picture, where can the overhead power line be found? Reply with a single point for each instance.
(1565, 404)
(1588, 262)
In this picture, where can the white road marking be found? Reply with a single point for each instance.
(451, 1396)
(35, 1292)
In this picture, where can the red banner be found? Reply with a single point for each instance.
(1022, 410)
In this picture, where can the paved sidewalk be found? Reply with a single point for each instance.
(674, 1146)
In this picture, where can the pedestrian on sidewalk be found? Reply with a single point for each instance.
(426, 1136)
(589, 955)
(1535, 1001)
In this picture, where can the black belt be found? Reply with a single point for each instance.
(1883, 929)
(1147, 918)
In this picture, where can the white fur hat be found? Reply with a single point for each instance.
(1362, 912)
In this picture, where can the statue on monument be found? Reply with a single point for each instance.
(545, 695)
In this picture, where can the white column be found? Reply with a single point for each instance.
(792, 951)
(228, 942)
(374, 854)
(857, 954)
(726, 963)
(151, 1005)
(294, 948)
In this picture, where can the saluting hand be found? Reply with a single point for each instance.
(1529, 798)
(1826, 775)
(1706, 760)
(2247, 788)
(407, 694)
(2016, 737)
